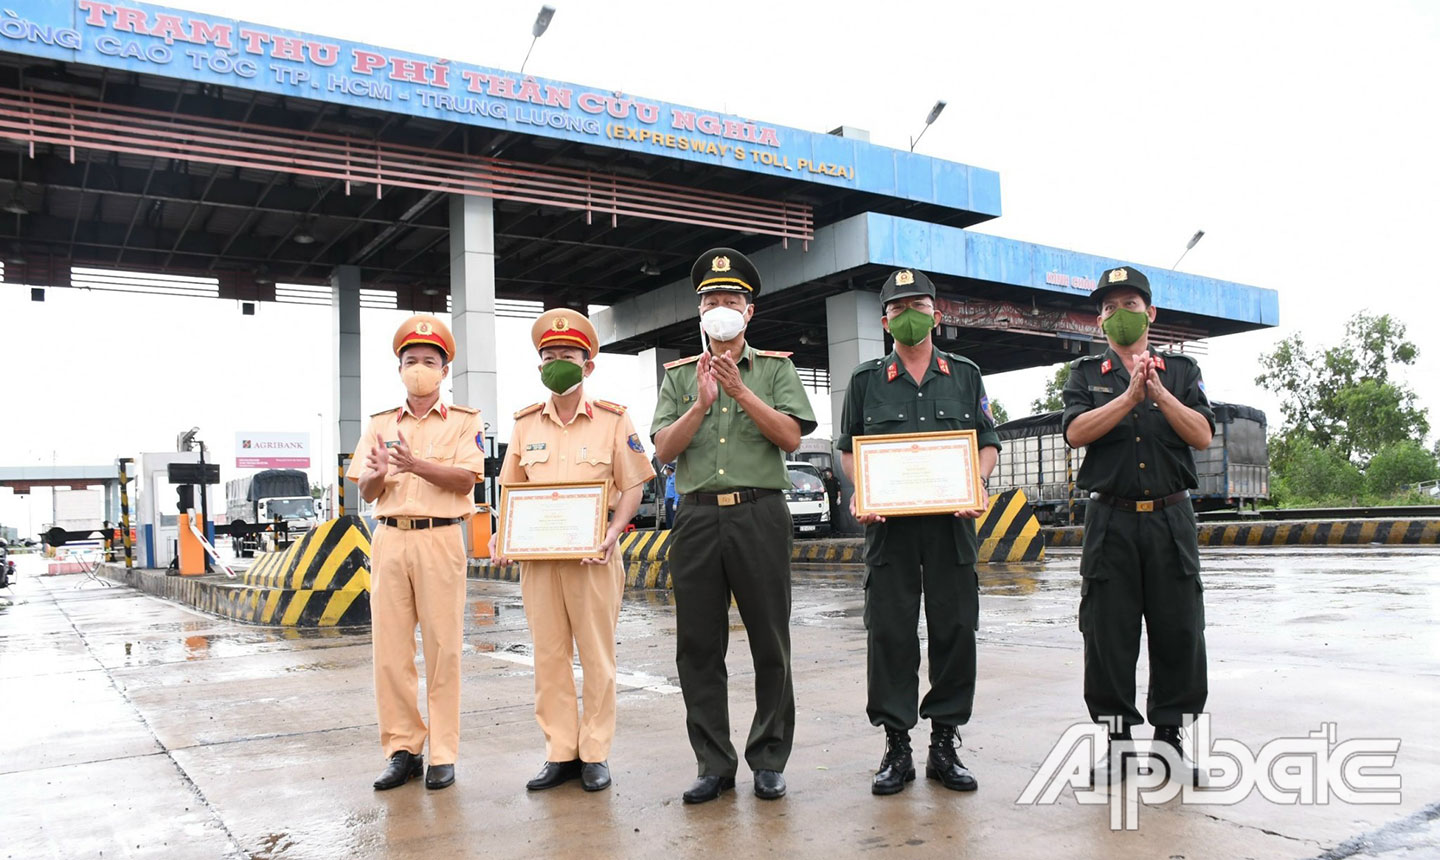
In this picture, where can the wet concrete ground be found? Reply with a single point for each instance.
(213, 739)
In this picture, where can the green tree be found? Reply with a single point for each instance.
(997, 409)
(1051, 400)
(1348, 398)
(1307, 474)
(1398, 465)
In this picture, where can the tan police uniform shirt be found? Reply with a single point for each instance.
(599, 443)
(447, 435)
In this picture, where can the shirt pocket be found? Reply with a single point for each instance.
(530, 460)
(948, 414)
(887, 417)
(593, 465)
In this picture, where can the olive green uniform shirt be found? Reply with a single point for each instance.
(729, 452)
(1142, 457)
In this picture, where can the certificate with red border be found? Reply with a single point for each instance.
(911, 474)
(553, 521)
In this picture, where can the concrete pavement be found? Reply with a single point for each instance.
(215, 739)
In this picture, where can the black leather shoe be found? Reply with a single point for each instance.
(595, 775)
(1188, 772)
(897, 767)
(707, 788)
(554, 773)
(440, 776)
(945, 764)
(403, 767)
(769, 784)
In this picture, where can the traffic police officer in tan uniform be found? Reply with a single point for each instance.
(1140, 414)
(570, 437)
(419, 462)
(729, 415)
(917, 389)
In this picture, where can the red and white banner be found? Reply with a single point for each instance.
(257, 450)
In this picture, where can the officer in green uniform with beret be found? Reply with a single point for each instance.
(729, 415)
(1139, 413)
(915, 389)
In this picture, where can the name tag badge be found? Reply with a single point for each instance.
(391, 443)
(1103, 389)
(535, 446)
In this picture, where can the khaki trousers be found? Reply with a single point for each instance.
(569, 604)
(418, 575)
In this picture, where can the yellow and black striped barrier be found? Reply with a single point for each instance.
(1009, 531)
(1310, 533)
(323, 580)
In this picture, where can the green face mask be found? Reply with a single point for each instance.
(911, 326)
(561, 376)
(1124, 326)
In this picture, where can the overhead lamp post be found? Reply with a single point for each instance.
(934, 115)
(542, 23)
(1194, 240)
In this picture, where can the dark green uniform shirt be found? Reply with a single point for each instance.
(883, 398)
(729, 452)
(1142, 457)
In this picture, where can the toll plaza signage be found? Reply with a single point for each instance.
(264, 450)
(148, 39)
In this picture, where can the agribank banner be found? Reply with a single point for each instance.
(263, 450)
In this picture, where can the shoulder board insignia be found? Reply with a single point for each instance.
(610, 407)
(468, 410)
(530, 410)
(681, 361)
(385, 412)
(773, 353)
(942, 364)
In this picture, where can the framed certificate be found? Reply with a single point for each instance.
(910, 474)
(553, 521)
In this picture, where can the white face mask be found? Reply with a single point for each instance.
(722, 324)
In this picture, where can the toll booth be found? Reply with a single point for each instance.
(157, 510)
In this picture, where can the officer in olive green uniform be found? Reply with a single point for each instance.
(916, 389)
(1139, 413)
(729, 415)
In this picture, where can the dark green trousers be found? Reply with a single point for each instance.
(1142, 566)
(907, 558)
(715, 552)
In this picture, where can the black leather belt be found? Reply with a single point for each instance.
(1140, 506)
(725, 500)
(420, 522)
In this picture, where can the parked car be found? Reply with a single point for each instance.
(809, 509)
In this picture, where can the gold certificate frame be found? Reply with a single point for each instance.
(553, 521)
(914, 474)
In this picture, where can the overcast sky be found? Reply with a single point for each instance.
(1301, 136)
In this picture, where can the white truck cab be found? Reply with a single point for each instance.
(809, 509)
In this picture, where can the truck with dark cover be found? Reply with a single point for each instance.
(267, 497)
(1234, 471)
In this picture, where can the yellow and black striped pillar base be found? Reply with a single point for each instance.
(1009, 531)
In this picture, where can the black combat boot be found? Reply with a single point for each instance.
(1188, 772)
(1110, 770)
(897, 767)
(944, 763)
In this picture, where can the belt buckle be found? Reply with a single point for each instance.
(725, 500)
(1144, 507)
(404, 523)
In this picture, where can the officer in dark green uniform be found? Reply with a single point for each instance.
(729, 415)
(1139, 413)
(916, 389)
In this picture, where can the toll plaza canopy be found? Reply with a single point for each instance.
(158, 150)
